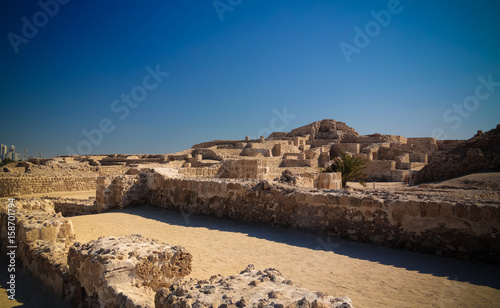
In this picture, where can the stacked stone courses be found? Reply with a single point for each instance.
(13, 186)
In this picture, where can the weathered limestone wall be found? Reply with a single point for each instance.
(111, 170)
(399, 175)
(14, 186)
(244, 169)
(352, 148)
(331, 180)
(424, 140)
(74, 207)
(445, 228)
(42, 239)
(418, 158)
(119, 191)
(298, 163)
(380, 170)
(204, 172)
(256, 152)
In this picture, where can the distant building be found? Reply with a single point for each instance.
(3, 151)
(17, 156)
(10, 153)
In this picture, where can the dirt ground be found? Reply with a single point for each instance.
(372, 276)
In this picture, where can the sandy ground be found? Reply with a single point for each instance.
(371, 276)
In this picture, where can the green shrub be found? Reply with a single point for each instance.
(351, 168)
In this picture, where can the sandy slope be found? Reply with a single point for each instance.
(371, 276)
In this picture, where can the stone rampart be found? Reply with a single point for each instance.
(443, 227)
(42, 239)
(204, 172)
(15, 186)
(74, 207)
(119, 191)
(447, 228)
(244, 169)
(380, 170)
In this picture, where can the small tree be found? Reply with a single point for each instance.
(351, 167)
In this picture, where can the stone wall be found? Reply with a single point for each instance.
(445, 228)
(322, 180)
(42, 238)
(352, 148)
(380, 170)
(332, 180)
(424, 140)
(111, 170)
(244, 169)
(119, 191)
(15, 186)
(204, 172)
(74, 207)
(298, 163)
(252, 152)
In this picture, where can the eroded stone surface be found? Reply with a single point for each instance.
(251, 288)
(42, 240)
(126, 271)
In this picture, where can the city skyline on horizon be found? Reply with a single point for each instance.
(159, 77)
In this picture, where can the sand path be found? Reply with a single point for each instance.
(371, 276)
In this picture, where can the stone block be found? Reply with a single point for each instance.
(251, 288)
(126, 271)
(446, 209)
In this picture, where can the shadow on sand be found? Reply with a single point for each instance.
(29, 292)
(454, 270)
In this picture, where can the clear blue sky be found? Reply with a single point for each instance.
(229, 67)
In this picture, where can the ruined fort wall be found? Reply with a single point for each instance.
(204, 172)
(13, 186)
(120, 191)
(380, 170)
(445, 228)
(41, 242)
